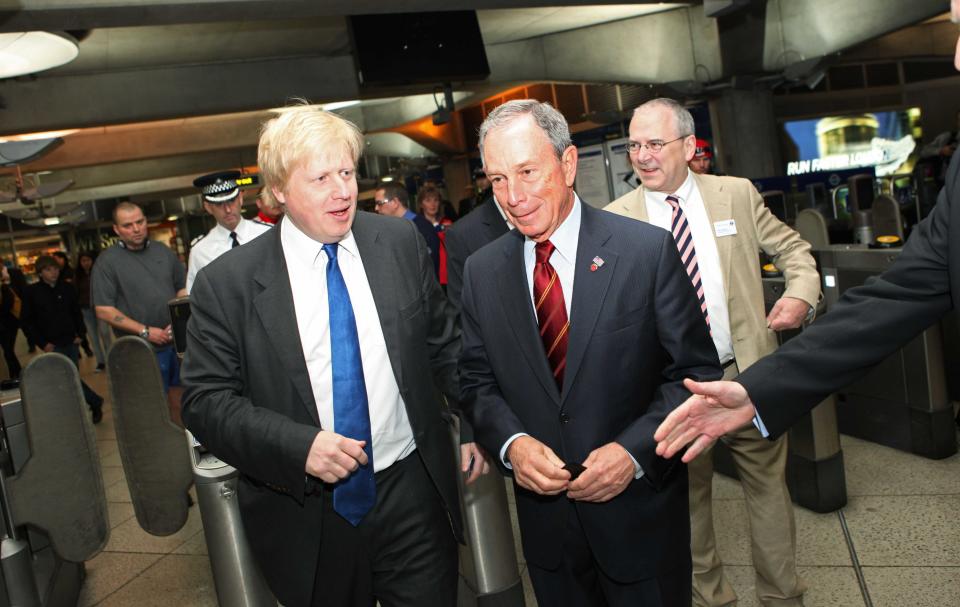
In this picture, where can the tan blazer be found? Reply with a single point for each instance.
(736, 198)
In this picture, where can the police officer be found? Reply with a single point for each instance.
(223, 199)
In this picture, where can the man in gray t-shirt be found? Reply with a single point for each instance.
(131, 284)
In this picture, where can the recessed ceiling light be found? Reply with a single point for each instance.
(28, 52)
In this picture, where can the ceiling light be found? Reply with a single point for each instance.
(51, 221)
(387, 178)
(28, 52)
(173, 217)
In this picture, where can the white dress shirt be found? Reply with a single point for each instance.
(660, 214)
(307, 268)
(216, 243)
(565, 239)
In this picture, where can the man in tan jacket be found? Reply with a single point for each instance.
(720, 225)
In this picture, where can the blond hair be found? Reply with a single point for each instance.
(288, 140)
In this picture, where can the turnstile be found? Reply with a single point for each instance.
(815, 473)
(54, 510)
(904, 401)
(489, 572)
(160, 467)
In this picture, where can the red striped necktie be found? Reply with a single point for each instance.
(688, 253)
(551, 311)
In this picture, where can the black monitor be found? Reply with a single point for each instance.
(776, 201)
(407, 48)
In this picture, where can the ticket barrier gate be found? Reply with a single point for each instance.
(52, 499)
(903, 402)
(815, 473)
(489, 572)
(159, 471)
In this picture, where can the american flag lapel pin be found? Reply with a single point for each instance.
(597, 263)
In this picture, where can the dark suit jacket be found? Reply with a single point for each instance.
(466, 237)
(635, 332)
(433, 241)
(248, 396)
(869, 323)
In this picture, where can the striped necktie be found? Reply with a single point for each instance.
(688, 253)
(233, 237)
(551, 311)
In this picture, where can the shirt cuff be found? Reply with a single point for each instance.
(758, 423)
(636, 466)
(506, 445)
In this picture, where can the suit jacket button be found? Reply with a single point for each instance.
(564, 418)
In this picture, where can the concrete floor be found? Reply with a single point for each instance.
(903, 518)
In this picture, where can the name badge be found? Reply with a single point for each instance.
(727, 227)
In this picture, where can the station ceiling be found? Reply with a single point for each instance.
(163, 91)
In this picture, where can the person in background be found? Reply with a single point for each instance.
(481, 192)
(867, 325)
(429, 201)
(269, 211)
(393, 200)
(702, 160)
(66, 272)
(51, 313)
(223, 199)
(720, 224)
(11, 306)
(67, 275)
(98, 333)
(131, 284)
(18, 282)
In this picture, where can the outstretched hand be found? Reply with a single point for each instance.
(714, 409)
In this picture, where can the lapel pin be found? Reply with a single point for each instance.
(597, 263)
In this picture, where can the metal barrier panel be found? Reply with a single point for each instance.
(903, 402)
(60, 487)
(236, 575)
(488, 563)
(156, 465)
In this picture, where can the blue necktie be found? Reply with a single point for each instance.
(354, 496)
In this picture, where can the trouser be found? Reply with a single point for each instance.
(579, 581)
(8, 341)
(71, 351)
(761, 466)
(98, 333)
(402, 554)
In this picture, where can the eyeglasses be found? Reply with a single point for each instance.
(380, 203)
(653, 146)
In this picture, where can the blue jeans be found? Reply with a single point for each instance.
(71, 351)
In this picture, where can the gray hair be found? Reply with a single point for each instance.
(682, 119)
(552, 122)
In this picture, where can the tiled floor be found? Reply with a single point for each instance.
(903, 518)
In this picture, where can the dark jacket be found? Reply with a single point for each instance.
(52, 314)
(636, 331)
(247, 390)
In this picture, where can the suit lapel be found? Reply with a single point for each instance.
(634, 205)
(274, 306)
(380, 269)
(718, 205)
(511, 276)
(589, 289)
